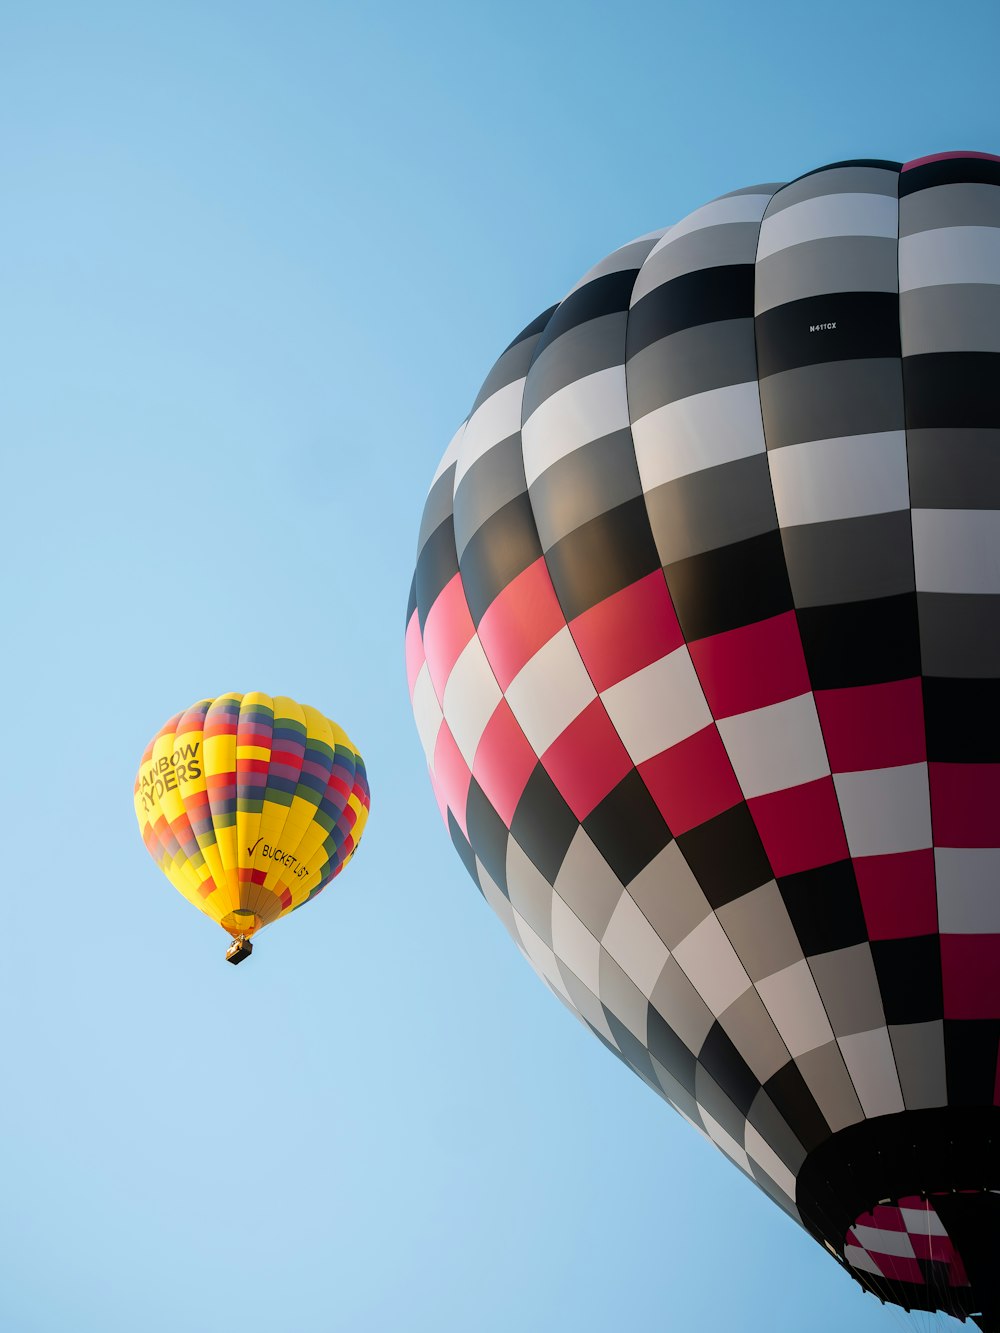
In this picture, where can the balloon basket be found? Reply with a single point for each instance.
(239, 949)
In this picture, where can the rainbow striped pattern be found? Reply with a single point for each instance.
(250, 805)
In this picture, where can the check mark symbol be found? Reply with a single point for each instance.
(250, 850)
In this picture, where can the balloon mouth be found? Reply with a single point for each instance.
(241, 922)
(909, 1203)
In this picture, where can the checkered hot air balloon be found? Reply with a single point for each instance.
(250, 805)
(704, 652)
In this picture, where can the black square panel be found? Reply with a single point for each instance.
(720, 1058)
(970, 1057)
(487, 834)
(704, 296)
(730, 586)
(503, 547)
(437, 565)
(607, 295)
(825, 907)
(602, 556)
(861, 643)
(949, 171)
(667, 1047)
(909, 977)
(962, 718)
(627, 827)
(543, 824)
(834, 326)
(635, 1054)
(726, 856)
(790, 1094)
(464, 849)
(952, 390)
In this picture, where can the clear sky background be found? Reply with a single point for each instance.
(255, 260)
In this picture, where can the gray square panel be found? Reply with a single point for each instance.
(583, 484)
(849, 989)
(959, 634)
(497, 899)
(918, 1049)
(835, 398)
(954, 469)
(588, 885)
(959, 204)
(681, 1006)
(712, 508)
(529, 891)
(750, 1028)
(849, 559)
(492, 481)
(582, 350)
(587, 1003)
(677, 1094)
(827, 1078)
(669, 896)
(836, 180)
(707, 356)
(712, 1099)
(622, 997)
(760, 931)
(830, 264)
(771, 1125)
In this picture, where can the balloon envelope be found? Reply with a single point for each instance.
(250, 805)
(703, 647)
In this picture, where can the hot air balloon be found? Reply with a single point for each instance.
(703, 647)
(250, 805)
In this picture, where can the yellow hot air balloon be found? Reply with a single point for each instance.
(250, 805)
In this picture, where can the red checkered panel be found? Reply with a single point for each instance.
(905, 1242)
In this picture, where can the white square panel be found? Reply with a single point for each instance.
(574, 945)
(588, 884)
(828, 215)
(968, 890)
(882, 1241)
(658, 706)
(495, 420)
(777, 747)
(496, 898)
(550, 690)
(730, 208)
(711, 964)
(470, 698)
(791, 998)
(698, 432)
(724, 1140)
(449, 456)
(585, 410)
(870, 1063)
(530, 893)
(622, 997)
(924, 1221)
(426, 712)
(885, 809)
(949, 255)
(540, 956)
(821, 480)
(634, 945)
(861, 1260)
(761, 1153)
(957, 550)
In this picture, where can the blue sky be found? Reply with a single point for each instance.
(255, 260)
